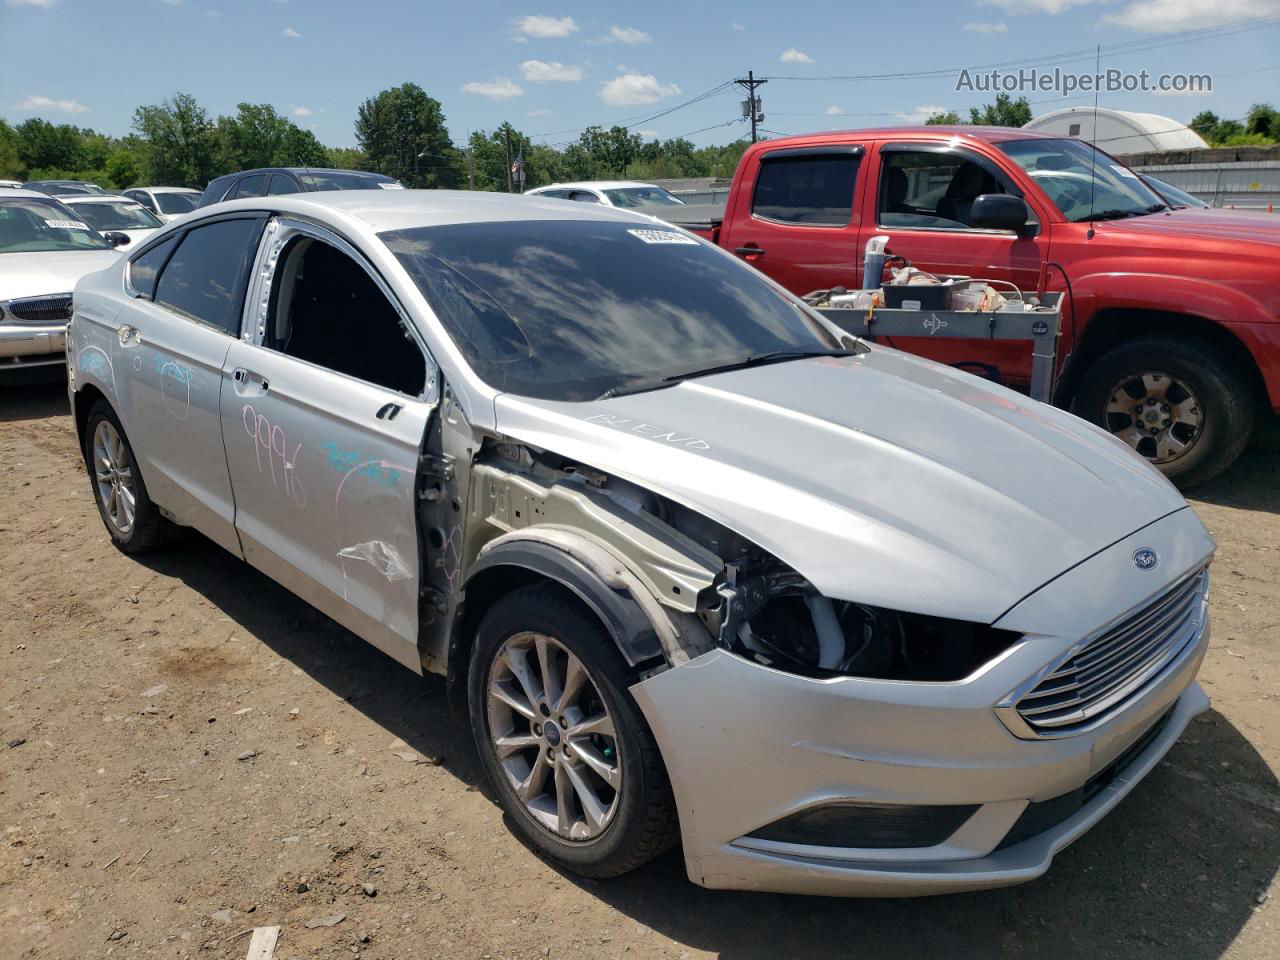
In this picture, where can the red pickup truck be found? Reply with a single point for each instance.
(1171, 316)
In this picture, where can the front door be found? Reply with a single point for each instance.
(922, 202)
(167, 356)
(795, 218)
(324, 408)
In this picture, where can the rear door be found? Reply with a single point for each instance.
(921, 202)
(324, 409)
(171, 340)
(795, 216)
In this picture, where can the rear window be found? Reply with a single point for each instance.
(568, 309)
(344, 180)
(172, 203)
(810, 189)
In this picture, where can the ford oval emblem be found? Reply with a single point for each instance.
(1146, 559)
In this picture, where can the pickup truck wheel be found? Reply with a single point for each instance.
(133, 521)
(1178, 401)
(564, 746)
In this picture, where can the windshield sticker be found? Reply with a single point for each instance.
(391, 186)
(66, 224)
(662, 236)
(1124, 171)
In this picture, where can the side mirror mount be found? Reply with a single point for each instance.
(999, 211)
(116, 238)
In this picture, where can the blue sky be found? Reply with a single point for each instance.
(553, 67)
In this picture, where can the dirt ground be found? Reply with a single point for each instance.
(188, 752)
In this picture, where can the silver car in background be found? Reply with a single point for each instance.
(44, 249)
(697, 564)
(122, 221)
(167, 203)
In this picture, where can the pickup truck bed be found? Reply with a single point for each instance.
(704, 218)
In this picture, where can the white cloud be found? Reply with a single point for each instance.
(500, 89)
(543, 27)
(834, 111)
(302, 111)
(921, 114)
(291, 33)
(632, 89)
(1169, 16)
(792, 55)
(628, 35)
(542, 71)
(738, 28)
(48, 103)
(647, 133)
(542, 112)
(982, 26)
(30, 3)
(1051, 7)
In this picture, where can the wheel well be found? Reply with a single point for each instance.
(1113, 326)
(85, 398)
(483, 591)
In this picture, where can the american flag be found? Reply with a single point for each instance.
(517, 164)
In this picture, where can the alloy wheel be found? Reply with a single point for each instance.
(553, 736)
(114, 478)
(1156, 414)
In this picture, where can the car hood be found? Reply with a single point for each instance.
(882, 478)
(1225, 224)
(37, 274)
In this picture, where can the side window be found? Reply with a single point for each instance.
(584, 196)
(205, 277)
(143, 269)
(254, 185)
(814, 189)
(327, 310)
(929, 189)
(142, 198)
(282, 183)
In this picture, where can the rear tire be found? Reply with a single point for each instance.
(1179, 401)
(134, 523)
(546, 782)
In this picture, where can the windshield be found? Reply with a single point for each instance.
(37, 226)
(570, 309)
(177, 202)
(1171, 193)
(1082, 181)
(343, 180)
(642, 197)
(123, 215)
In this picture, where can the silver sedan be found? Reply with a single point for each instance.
(698, 565)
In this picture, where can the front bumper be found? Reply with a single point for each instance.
(31, 345)
(747, 746)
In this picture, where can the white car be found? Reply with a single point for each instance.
(44, 250)
(116, 215)
(628, 194)
(10, 184)
(167, 203)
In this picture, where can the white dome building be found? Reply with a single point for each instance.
(1119, 131)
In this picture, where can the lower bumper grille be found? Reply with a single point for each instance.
(1107, 671)
(41, 310)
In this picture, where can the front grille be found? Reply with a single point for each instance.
(1103, 675)
(41, 310)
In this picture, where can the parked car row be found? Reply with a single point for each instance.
(698, 565)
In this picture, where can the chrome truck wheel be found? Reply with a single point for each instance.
(1156, 414)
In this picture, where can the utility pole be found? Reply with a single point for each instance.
(506, 134)
(752, 107)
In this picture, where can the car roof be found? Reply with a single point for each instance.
(354, 173)
(595, 185)
(381, 210)
(73, 199)
(22, 193)
(167, 189)
(924, 131)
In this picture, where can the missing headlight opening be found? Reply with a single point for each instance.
(779, 620)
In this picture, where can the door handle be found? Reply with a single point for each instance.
(247, 378)
(128, 335)
(749, 252)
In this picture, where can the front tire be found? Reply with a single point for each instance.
(1178, 401)
(562, 742)
(133, 521)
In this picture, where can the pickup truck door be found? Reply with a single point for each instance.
(794, 216)
(921, 202)
(324, 407)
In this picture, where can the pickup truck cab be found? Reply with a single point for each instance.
(1171, 317)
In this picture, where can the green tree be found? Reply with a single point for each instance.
(11, 167)
(181, 142)
(611, 150)
(949, 118)
(1263, 120)
(1005, 112)
(46, 146)
(346, 158)
(402, 132)
(259, 136)
(1204, 123)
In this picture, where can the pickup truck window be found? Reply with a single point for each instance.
(1083, 182)
(931, 189)
(569, 309)
(811, 190)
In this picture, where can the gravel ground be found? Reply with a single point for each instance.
(189, 752)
